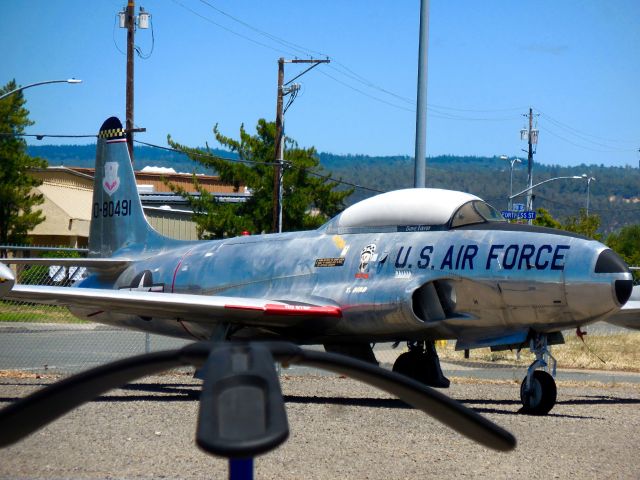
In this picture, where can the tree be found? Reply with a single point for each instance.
(544, 219)
(583, 224)
(626, 243)
(309, 198)
(17, 199)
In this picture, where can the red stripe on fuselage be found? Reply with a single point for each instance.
(175, 272)
(292, 310)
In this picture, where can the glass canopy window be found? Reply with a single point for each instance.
(475, 211)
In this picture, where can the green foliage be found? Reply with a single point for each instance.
(583, 224)
(626, 243)
(544, 219)
(17, 201)
(308, 200)
(580, 224)
(214, 219)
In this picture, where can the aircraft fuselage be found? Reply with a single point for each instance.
(394, 285)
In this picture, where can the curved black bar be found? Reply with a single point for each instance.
(444, 409)
(48, 404)
(36, 410)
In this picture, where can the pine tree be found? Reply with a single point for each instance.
(309, 198)
(17, 199)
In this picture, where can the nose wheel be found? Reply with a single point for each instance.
(538, 390)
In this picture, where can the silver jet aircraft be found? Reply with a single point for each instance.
(409, 266)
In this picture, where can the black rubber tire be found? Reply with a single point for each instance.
(405, 365)
(543, 394)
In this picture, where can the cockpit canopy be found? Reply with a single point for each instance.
(414, 209)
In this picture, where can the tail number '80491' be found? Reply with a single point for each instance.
(121, 208)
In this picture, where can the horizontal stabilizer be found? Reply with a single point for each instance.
(102, 265)
(629, 314)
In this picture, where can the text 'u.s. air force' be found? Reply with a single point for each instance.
(470, 257)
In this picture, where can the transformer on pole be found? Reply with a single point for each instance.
(127, 19)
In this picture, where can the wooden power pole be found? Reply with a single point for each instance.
(130, 23)
(283, 90)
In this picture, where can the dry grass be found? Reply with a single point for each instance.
(560, 383)
(22, 374)
(620, 352)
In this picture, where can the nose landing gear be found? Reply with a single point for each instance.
(538, 391)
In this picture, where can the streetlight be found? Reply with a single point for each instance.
(70, 80)
(515, 160)
(588, 179)
(573, 177)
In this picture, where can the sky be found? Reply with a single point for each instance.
(207, 62)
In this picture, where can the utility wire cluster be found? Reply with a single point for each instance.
(382, 95)
(584, 140)
(40, 136)
(370, 89)
(254, 162)
(205, 155)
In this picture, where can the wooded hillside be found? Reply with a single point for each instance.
(615, 195)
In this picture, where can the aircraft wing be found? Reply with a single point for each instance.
(197, 308)
(629, 314)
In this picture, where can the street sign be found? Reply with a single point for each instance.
(525, 215)
(518, 207)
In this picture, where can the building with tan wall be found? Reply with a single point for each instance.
(68, 193)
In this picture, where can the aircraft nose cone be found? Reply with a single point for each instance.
(7, 279)
(610, 262)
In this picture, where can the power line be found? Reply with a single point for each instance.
(203, 155)
(578, 207)
(367, 94)
(40, 136)
(233, 32)
(282, 41)
(254, 162)
(584, 147)
(342, 69)
(583, 135)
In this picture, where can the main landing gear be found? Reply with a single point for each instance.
(538, 391)
(421, 363)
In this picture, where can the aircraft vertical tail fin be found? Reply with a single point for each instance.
(117, 218)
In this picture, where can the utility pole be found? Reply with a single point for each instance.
(420, 159)
(276, 226)
(284, 90)
(531, 136)
(129, 20)
(530, 163)
(130, 48)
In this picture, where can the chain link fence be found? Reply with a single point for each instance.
(49, 339)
